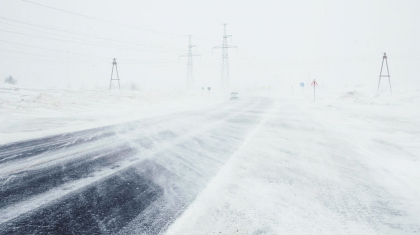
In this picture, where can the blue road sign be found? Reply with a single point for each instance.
(302, 84)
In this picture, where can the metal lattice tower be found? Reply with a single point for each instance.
(225, 77)
(190, 75)
(385, 58)
(114, 63)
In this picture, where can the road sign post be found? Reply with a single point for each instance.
(314, 83)
(302, 84)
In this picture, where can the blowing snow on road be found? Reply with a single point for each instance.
(209, 117)
(258, 165)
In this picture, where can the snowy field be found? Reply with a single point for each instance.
(28, 113)
(268, 163)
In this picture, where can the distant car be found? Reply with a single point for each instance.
(234, 96)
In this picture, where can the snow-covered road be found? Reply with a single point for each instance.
(258, 165)
(131, 178)
(317, 168)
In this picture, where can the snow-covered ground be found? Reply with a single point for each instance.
(136, 176)
(345, 164)
(32, 113)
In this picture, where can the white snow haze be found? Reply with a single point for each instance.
(292, 121)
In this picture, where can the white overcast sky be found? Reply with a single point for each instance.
(281, 43)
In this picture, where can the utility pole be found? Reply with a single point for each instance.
(385, 58)
(114, 63)
(190, 76)
(225, 79)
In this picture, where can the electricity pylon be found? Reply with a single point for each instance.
(114, 63)
(385, 58)
(225, 79)
(190, 76)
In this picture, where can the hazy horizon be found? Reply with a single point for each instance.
(280, 43)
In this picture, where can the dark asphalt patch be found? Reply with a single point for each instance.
(34, 182)
(102, 209)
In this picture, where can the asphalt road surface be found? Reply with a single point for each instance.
(133, 178)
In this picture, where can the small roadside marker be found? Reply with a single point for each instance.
(314, 83)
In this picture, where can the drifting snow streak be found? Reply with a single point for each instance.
(128, 179)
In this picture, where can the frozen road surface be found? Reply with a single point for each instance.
(131, 178)
(251, 166)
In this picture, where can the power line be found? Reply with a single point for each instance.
(70, 60)
(84, 43)
(66, 52)
(207, 39)
(96, 44)
(113, 22)
(53, 49)
(102, 57)
(39, 30)
(84, 35)
(32, 54)
(41, 58)
(103, 20)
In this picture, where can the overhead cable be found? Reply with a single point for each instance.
(103, 20)
(79, 42)
(85, 35)
(112, 22)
